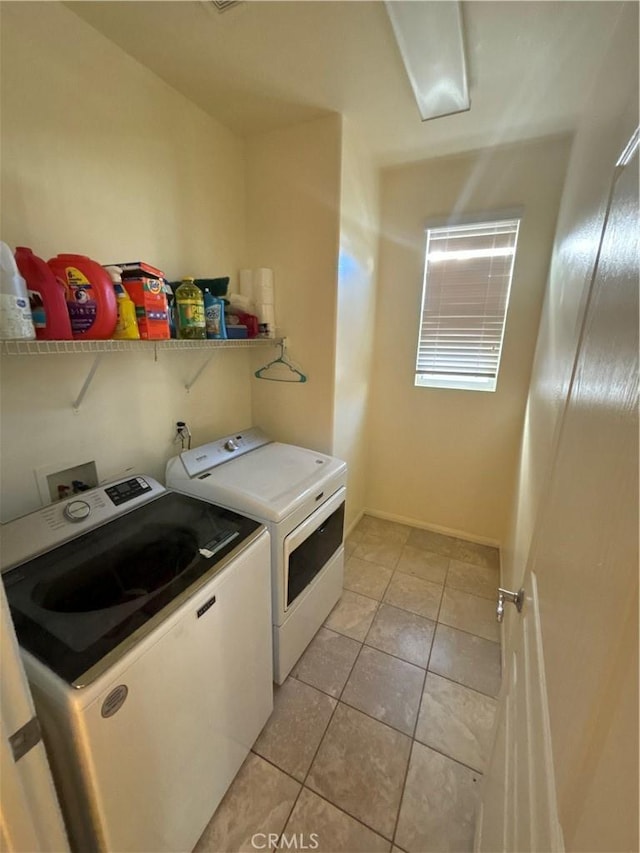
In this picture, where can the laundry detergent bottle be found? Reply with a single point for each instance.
(214, 316)
(91, 299)
(47, 297)
(15, 313)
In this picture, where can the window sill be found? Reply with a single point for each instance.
(467, 383)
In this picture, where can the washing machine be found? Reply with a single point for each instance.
(143, 618)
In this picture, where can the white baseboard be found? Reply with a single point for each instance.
(412, 522)
(349, 530)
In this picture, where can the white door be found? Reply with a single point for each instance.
(30, 818)
(564, 772)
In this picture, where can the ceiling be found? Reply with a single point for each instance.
(263, 65)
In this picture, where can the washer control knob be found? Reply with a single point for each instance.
(230, 445)
(77, 511)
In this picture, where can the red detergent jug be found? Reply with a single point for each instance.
(47, 297)
(91, 298)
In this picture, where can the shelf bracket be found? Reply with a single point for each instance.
(87, 382)
(198, 373)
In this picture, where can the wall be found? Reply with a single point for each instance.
(592, 670)
(359, 233)
(608, 122)
(100, 157)
(441, 458)
(292, 203)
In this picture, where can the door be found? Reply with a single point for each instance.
(30, 818)
(564, 772)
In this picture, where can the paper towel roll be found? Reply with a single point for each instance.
(266, 314)
(263, 290)
(240, 302)
(246, 283)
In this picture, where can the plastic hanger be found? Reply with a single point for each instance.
(291, 374)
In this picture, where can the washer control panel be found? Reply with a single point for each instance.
(34, 534)
(127, 490)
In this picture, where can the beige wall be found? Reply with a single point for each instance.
(608, 122)
(445, 458)
(292, 203)
(100, 157)
(359, 234)
(591, 652)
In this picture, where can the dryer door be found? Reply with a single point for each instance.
(311, 545)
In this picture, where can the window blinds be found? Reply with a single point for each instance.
(465, 295)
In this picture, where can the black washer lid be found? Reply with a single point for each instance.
(76, 603)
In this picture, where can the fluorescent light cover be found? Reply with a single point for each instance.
(429, 35)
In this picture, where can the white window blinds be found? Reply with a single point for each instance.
(465, 294)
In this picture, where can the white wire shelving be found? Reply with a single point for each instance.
(64, 347)
(100, 348)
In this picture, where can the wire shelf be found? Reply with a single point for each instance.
(63, 347)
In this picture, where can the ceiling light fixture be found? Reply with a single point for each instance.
(429, 35)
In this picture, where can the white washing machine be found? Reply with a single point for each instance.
(143, 620)
(299, 495)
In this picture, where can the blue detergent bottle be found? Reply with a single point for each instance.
(214, 316)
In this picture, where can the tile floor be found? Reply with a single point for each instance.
(380, 735)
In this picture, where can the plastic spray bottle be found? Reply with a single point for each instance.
(127, 323)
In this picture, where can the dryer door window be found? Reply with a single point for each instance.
(310, 556)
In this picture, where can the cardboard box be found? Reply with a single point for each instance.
(152, 311)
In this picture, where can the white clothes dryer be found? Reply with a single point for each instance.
(299, 495)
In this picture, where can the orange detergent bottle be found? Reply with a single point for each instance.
(91, 299)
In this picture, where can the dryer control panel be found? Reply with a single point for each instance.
(201, 459)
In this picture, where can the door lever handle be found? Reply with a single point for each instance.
(516, 598)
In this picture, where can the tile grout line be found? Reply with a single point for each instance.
(303, 782)
(348, 814)
(460, 684)
(412, 739)
(362, 645)
(321, 741)
(415, 726)
(450, 757)
(339, 700)
(470, 633)
(426, 670)
(303, 785)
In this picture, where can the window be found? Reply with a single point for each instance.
(465, 294)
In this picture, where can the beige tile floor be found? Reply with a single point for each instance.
(380, 735)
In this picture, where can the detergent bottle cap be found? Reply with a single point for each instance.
(115, 273)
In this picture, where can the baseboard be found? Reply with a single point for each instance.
(447, 531)
(349, 530)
